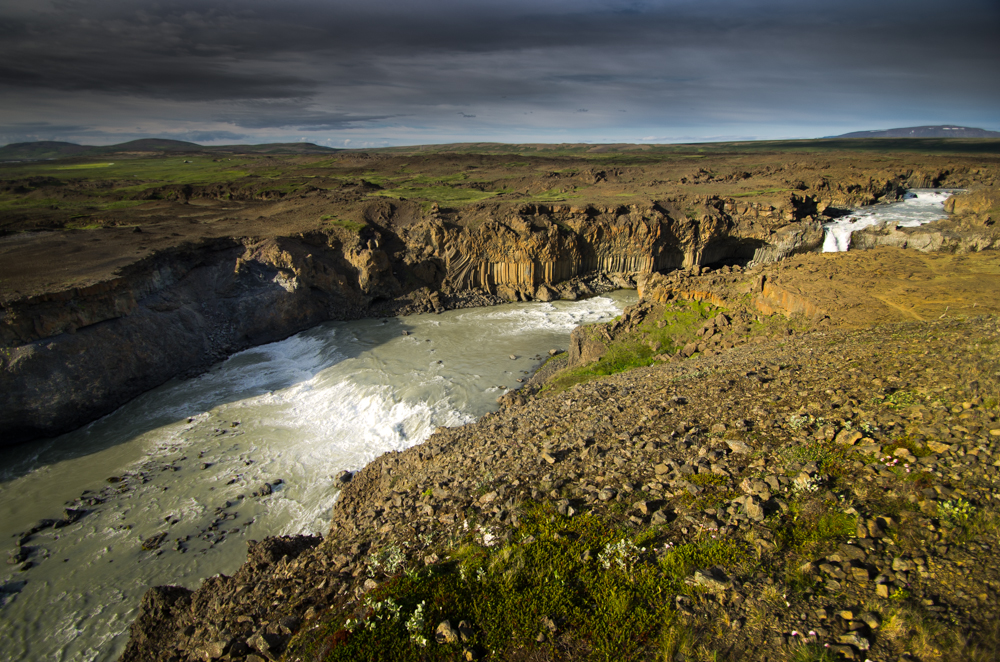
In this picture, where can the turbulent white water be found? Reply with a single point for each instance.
(186, 458)
(920, 206)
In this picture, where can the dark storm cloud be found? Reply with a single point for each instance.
(175, 79)
(205, 136)
(301, 122)
(214, 50)
(173, 54)
(313, 65)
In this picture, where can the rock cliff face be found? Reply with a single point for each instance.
(77, 354)
(539, 245)
(72, 356)
(924, 238)
(981, 205)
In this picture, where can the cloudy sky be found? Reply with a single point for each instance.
(398, 72)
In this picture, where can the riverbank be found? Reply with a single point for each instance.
(822, 492)
(170, 488)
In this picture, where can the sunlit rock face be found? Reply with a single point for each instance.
(546, 245)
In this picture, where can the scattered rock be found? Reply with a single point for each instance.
(445, 634)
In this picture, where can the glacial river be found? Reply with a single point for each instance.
(918, 207)
(170, 479)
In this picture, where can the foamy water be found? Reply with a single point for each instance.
(920, 206)
(186, 458)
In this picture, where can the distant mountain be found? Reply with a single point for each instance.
(40, 150)
(36, 151)
(942, 131)
(274, 148)
(151, 145)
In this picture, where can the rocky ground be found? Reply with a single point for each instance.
(789, 488)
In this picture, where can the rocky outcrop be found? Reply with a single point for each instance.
(979, 206)
(172, 603)
(585, 347)
(776, 299)
(797, 238)
(924, 238)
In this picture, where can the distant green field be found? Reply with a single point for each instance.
(626, 152)
(122, 204)
(437, 194)
(749, 194)
(85, 166)
(147, 172)
(551, 195)
(9, 202)
(426, 174)
(120, 180)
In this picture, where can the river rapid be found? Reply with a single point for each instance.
(175, 482)
(918, 206)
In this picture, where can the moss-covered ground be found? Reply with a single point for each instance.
(663, 332)
(566, 583)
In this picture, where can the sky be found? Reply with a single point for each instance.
(406, 72)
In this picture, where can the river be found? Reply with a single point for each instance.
(919, 206)
(175, 482)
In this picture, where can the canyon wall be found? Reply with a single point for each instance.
(71, 356)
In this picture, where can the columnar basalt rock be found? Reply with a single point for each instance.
(545, 246)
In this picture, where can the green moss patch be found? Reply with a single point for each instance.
(440, 194)
(766, 191)
(664, 332)
(352, 226)
(562, 585)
